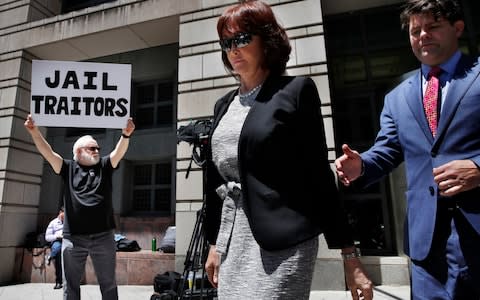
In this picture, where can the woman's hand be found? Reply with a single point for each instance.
(358, 282)
(212, 265)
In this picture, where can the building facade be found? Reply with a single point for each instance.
(355, 52)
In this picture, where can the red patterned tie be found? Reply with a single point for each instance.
(430, 99)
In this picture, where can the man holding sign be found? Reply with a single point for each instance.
(89, 223)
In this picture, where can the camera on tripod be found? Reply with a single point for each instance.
(196, 133)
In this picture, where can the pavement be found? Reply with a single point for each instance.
(45, 291)
(382, 292)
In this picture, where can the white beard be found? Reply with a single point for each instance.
(88, 160)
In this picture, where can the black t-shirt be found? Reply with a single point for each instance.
(88, 197)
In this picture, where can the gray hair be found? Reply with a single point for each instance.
(81, 142)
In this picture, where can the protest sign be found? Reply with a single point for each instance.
(80, 94)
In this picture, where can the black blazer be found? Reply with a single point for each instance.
(288, 186)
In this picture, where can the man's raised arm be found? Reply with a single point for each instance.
(53, 158)
(122, 146)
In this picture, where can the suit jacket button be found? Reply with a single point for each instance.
(432, 190)
(433, 154)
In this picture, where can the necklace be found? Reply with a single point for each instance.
(249, 93)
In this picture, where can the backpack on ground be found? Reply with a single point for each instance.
(168, 295)
(127, 245)
(166, 284)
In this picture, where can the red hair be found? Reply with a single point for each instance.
(257, 18)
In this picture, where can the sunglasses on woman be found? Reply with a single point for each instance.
(240, 40)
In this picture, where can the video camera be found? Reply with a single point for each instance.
(196, 133)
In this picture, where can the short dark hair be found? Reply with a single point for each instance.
(450, 10)
(257, 18)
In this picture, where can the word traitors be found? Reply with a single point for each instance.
(87, 106)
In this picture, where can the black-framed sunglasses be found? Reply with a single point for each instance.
(93, 149)
(240, 40)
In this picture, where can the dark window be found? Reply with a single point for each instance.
(470, 40)
(152, 187)
(154, 105)
(163, 174)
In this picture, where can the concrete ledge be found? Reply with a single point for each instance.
(383, 270)
(136, 268)
(133, 268)
(387, 270)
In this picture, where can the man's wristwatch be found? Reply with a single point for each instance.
(350, 255)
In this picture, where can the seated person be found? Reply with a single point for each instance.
(54, 235)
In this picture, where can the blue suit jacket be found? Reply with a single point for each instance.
(405, 136)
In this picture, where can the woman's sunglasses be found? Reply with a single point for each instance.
(240, 40)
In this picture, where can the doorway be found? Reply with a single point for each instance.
(364, 61)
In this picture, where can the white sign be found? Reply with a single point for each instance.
(80, 94)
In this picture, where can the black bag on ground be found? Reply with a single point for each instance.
(127, 245)
(167, 281)
(168, 295)
(35, 240)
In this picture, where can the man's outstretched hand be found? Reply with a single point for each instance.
(349, 165)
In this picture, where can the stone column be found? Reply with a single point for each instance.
(20, 164)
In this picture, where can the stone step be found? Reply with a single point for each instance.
(133, 268)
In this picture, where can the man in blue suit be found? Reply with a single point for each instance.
(442, 228)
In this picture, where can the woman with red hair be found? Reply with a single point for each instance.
(270, 190)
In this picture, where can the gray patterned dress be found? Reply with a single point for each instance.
(247, 271)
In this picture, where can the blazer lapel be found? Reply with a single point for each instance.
(414, 100)
(459, 85)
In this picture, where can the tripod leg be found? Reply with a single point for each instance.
(194, 258)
